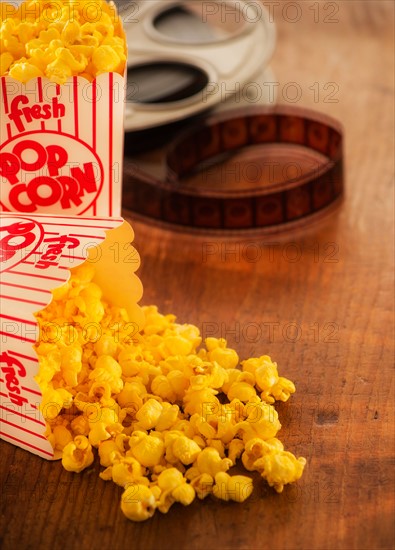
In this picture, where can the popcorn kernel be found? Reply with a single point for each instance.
(138, 502)
(77, 455)
(185, 494)
(237, 488)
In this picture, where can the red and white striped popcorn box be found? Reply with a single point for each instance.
(36, 254)
(62, 145)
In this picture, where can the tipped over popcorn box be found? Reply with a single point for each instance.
(37, 253)
(61, 108)
(85, 372)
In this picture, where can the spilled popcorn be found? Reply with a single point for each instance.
(167, 417)
(61, 39)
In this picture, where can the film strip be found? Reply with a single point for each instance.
(267, 205)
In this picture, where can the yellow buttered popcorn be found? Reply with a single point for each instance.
(185, 449)
(62, 436)
(280, 468)
(237, 488)
(173, 487)
(77, 455)
(184, 494)
(149, 414)
(167, 417)
(219, 352)
(273, 387)
(209, 461)
(61, 39)
(138, 502)
(147, 449)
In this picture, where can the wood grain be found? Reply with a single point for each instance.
(326, 318)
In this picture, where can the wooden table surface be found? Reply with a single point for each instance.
(326, 318)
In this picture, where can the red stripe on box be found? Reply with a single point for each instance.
(5, 98)
(30, 357)
(25, 287)
(75, 93)
(25, 430)
(94, 99)
(94, 126)
(111, 80)
(72, 257)
(32, 391)
(40, 99)
(58, 92)
(23, 300)
(9, 133)
(20, 414)
(16, 337)
(27, 444)
(88, 226)
(40, 89)
(85, 236)
(4, 207)
(39, 276)
(17, 318)
(72, 218)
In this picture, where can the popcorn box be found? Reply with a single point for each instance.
(36, 254)
(61, 146)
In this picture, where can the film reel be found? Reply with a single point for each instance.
(186, 56)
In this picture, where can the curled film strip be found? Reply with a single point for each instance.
(314, 142)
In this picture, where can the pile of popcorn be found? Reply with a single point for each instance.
(168, 417)
(60, 39)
